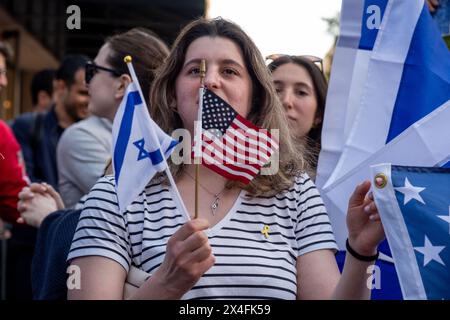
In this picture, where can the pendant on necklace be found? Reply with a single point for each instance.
(215, 205)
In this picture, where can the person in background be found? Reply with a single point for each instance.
(440, 10)
(4, 55)
(85, 147)
(302, 89)
(82, 154)
(42, 90)
(38, 134)
(12, 168)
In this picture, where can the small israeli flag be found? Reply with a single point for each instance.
(137, 145)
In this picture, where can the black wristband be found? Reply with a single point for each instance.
(358, 256)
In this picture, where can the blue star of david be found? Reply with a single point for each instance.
(142, 153)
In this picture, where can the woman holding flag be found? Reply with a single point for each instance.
(257, 236)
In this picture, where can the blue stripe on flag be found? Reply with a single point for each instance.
(133, 99)
(368, 36)
(155, 157)
(425, 83)
(172, 145)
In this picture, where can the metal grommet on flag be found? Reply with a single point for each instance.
(380, 184)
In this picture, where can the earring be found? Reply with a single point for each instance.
(173, 106)
(317, 122)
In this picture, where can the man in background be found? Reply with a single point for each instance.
(42, 90)
(38, 134)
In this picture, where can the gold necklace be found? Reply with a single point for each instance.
(215, 204)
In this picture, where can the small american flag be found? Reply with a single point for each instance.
(231, 145)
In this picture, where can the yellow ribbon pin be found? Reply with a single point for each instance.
(265, 231)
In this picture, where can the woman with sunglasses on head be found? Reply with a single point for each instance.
(302, 89)
(270, 239)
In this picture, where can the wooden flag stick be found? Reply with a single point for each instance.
(199, 137)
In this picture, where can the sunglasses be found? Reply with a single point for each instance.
(316, 60)
(91, 70)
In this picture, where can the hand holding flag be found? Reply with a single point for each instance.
(364, 225)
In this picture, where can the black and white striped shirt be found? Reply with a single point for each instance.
(248, 265)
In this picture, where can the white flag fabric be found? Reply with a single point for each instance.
(406, 77)
(359, 24)
(423, 144)
(137, 145)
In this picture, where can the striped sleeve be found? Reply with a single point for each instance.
(313, 229)
(102, 230)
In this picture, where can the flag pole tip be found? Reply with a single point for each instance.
(127, 59)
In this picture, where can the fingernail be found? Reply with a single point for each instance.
(372, 217)
(367, 209)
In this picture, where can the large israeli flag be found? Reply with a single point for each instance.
(359, 25)
(398, 110)
(408, 77)
(137, 145)
(414, 205)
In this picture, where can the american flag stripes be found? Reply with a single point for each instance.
(232, 146)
